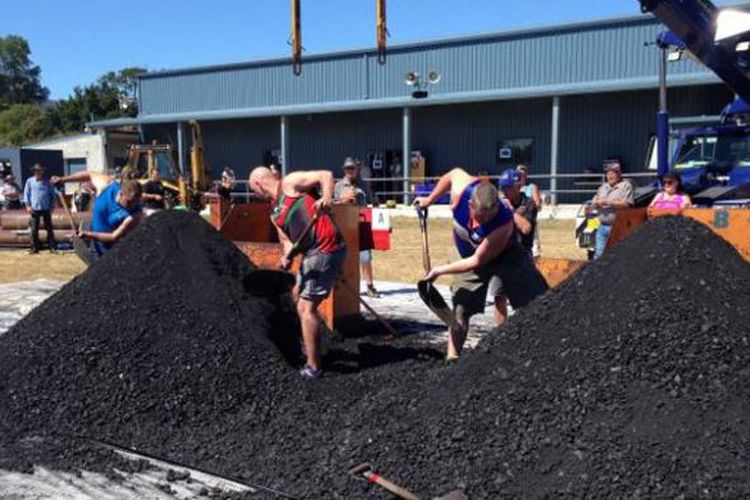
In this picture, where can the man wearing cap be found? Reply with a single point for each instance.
(39, 196)
(485, 236)
(349, 190)
(616, 193)
(524, 217)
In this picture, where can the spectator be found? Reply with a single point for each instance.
(524, 218)
(117, 210)
(11, 193)
(531, 191)
(39, 196)
(348, 190)
(153, 194)
(671, 196)
(616, 193)
(226, 185)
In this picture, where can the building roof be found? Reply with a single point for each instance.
(585, 57)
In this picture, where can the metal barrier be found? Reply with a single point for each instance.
(582, 185)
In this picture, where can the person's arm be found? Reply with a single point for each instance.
(492, 246)
(286, 247)
(536, 196)
(27, 195)
(686, 201)
(129, 223)
(655, 199)
(444, 185)
(307, 181)
(522, 223)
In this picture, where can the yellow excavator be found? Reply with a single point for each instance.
(184, 188)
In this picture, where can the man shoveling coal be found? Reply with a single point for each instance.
(487, 242)
(305, 228)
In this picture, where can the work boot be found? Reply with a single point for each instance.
(33, 251)
(372, 292)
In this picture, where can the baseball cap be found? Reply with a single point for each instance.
(508, 178)
(349, 162)
(612, 165)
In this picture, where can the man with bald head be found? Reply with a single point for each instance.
(323, 250)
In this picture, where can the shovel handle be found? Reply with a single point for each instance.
(390, 486)
(67, 211)
(422, 216)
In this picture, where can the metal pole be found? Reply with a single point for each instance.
(181, 147)
(406, 160)
(284, 156)
(662, 118)
(554, 147)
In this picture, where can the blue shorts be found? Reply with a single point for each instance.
(365, 256)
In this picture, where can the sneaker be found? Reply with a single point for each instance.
(372, 292)
(33, 251)
(310, 373)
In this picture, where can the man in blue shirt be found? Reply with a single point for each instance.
(39, 196)
(116, 211)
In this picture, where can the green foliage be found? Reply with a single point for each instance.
(19, 78)
(112, 96)
(23, 124)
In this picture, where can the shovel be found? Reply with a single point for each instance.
(427, 291)
(364, 471)
(79, 246)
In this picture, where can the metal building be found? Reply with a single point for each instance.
(561, 98)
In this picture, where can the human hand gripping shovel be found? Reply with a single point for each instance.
(80, 247)
(427, 291)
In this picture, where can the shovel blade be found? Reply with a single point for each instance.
(436, 303)
(81, 249)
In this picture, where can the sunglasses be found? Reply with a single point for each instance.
(669, 183)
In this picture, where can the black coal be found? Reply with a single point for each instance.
(630, 379)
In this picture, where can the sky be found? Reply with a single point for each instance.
(76, 41)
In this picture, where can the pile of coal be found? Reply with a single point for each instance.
(631, 379)
(163, 340)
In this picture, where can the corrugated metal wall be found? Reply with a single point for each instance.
(587, 53)
(592, 127)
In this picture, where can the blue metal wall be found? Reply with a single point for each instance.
(592, 127)
(544, 61)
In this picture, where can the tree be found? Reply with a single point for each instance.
(19, 78)
(23, 124)
(112, 96)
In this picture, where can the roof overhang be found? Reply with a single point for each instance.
(621, 85)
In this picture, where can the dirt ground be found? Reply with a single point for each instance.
(402, 263)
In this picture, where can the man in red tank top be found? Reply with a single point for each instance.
(322, 248)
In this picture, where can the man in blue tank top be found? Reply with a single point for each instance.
(487, 242)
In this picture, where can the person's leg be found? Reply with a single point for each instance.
(501, 309)
(47, 216)
(34, 221)
(365, 265)
(522, 281)
(469, 293)
(307, 309)
(602, 236)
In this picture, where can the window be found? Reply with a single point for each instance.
(74, 165)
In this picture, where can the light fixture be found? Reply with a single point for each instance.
(414, 79)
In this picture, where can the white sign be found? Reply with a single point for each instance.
(381, 220)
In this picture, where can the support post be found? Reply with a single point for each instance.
(554, 147)
(181, 147)
(406, 146)
(284, 155)
(662, 118)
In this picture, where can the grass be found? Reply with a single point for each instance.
(402, 263)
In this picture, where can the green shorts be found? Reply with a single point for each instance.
(521, 281)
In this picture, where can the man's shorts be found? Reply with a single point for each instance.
(318, 272)
(365, 256)
(519, 279)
